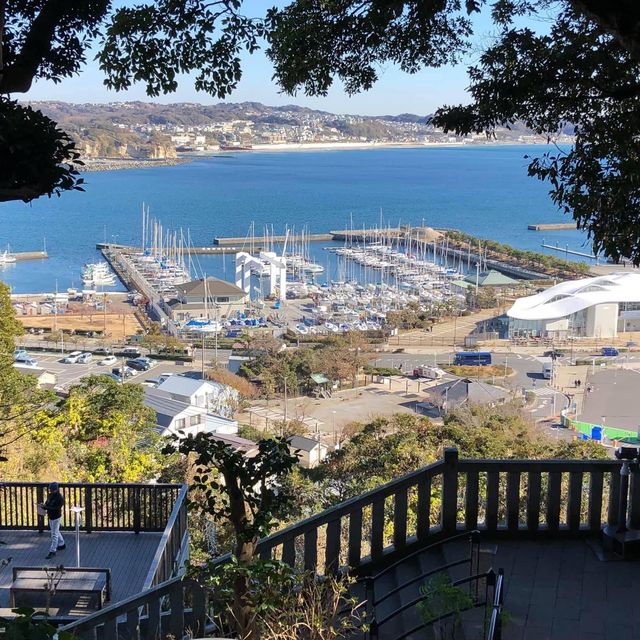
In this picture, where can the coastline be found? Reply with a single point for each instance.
(116, 164)
(92, 165)
(357, 146)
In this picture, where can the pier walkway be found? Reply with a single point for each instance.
(135, 281)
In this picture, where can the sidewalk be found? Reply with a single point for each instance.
(564, 382)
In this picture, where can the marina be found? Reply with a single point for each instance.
(219, 198)
(375, 271)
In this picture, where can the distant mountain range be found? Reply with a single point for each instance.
(155, 131)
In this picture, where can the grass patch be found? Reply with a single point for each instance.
(484, 371)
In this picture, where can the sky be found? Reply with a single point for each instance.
(395, 92)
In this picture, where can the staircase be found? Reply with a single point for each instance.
(392, 594)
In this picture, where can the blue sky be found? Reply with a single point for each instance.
(395, 92)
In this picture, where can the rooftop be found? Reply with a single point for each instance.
(465, 390)
(570, 297)
(181, 385)
(304, 444)
(491, 278)
(213, 287)
(166, 408)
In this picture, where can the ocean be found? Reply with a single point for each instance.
(481, 190)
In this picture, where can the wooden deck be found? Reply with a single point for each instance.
(127, 554)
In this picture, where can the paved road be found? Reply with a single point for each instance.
(527, 375)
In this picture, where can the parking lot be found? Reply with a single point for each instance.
(70, 374)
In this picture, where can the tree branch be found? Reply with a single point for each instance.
(620, 18)
(18, 77)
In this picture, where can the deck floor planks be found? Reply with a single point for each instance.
(128, 556)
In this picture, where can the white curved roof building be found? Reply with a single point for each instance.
(590, 307)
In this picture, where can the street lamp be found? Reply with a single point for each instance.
(77, 511)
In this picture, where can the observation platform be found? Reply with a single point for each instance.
(138, 531)
(129, 556)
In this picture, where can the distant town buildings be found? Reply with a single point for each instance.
(185, 127)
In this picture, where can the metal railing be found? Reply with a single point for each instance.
(374, 600)
(494, 630)
(107, 507)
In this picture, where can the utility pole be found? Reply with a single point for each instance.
(202, 356)
(286, 415)
(217, 307)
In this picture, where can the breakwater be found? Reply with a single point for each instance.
(553, 226)
(30, 255)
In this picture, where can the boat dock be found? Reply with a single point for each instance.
(259, 242)
(553, 226)
(214, 251)
(133, 280)
(568, 251)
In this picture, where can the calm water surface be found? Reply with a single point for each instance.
(481, 190)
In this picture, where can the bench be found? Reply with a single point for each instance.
(81, 580)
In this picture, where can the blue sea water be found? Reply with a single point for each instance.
(482, 190)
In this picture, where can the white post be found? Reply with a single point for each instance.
(77, 511)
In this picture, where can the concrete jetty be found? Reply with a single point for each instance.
(259, 241)
(29, 255)
(553, 226)
(193, 250)
(568, 251)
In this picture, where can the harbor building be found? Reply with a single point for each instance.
(206, 299)
(599, 307)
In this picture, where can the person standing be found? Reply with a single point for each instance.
(53, 506)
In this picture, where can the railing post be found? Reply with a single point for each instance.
(136, 509)
(450, 491)
(88, 508)
(40, 500)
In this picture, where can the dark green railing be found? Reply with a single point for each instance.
(514, 498)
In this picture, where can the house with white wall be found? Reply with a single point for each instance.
(212, 396)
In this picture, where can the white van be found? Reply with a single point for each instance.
(547, 370)
(431, 373)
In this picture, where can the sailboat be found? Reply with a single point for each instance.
(6, 257)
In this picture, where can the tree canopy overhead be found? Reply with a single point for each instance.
(581, 69)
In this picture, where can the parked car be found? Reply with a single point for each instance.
(85, 358)
(109, 360)
(100, 351)
(132, 352)
(610, 351)
(113, 376)
(20, 353)
(126, 372)
(552, 354)
(139, 364)
(25, 358)
(26, 362)
(72, 358)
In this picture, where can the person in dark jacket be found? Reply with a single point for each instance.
(53, 506)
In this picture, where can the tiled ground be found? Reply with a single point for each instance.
(561, 590)
(128, 556)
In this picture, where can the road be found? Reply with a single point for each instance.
(527, 375)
